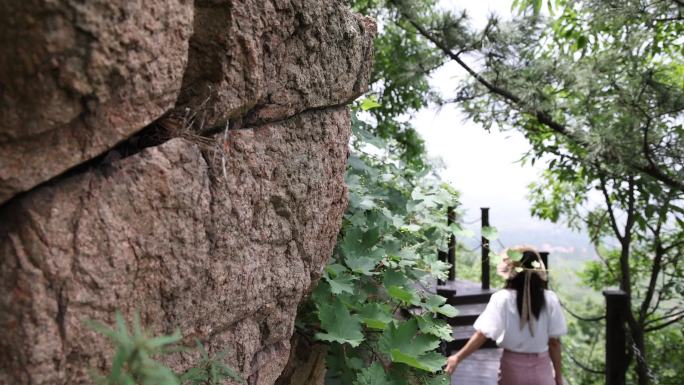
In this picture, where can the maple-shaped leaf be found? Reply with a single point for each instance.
(361, 265)
(403, 295)
(430, 362)
(436, 327)
(373, 375)
(342, 283)
(490, 233)
(376, 316)
(437, 304)
(405, 345)
(340, 326)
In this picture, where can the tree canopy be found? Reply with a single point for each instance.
(597, 88)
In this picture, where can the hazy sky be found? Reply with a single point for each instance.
(483, 166)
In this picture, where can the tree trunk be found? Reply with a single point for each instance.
(638, 347)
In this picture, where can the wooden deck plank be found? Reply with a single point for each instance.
(471, 309)
(481, 368)
(460, 332)
(464, 287)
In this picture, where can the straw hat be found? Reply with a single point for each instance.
(511, 264)
(509, 268)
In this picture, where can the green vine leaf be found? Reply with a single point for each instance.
(361, 265)
(339, 324)
(376, 316)
(369, 103)
(403, 295)
(405, 345)
(490, 233)
(437, 304)
(436, 327)
(459, 231)
(514, 255)
(342, 283)
(430, 362)
(373, 375)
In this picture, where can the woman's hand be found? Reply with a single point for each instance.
(474, 343)
(559, 380)
(452, 363)
(555, 354)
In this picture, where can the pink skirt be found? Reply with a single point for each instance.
(526, 369)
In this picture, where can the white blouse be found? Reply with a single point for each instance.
(500, 322)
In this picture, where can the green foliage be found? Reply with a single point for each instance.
(210, 370)
(134, 360)
(402, 64)
(405, 345)
(339, 325)
(133, 363)
(373, 375)
(597, 88)
(385, 256)
(490, 233)
(470, 265)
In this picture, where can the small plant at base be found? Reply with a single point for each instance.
(133, 362)
(210, 370)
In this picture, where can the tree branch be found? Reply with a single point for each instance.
(581, 318)
(609, 206)
(543, 117)
(659, 319)
(625, 279)
(652, 168)
(658, 174)
(665, 324)
(656, 265)
(673, 245)
(605, 262)
(655, 307)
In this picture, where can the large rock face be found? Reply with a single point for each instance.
(264, 59)
(77, 77)
(219, 232)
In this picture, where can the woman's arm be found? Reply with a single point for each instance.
(473, 344)
(555, 354)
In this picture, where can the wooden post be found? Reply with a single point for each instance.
(485, 249)
(442, 256)
(451, 218)
(545, 258)
(616, 357)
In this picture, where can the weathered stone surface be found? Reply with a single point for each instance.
(225, 254)
(219, 236)
(263, 60)
(76, 77)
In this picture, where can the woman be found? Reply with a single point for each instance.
(526, 320)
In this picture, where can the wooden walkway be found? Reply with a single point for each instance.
(482, 367)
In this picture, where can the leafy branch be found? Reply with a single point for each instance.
(373, 306)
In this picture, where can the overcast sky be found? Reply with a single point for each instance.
(483, 166)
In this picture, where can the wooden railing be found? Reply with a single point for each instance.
(616, 355)
(451, 218)
(484, 248)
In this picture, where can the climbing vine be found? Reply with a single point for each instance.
(374, 305)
